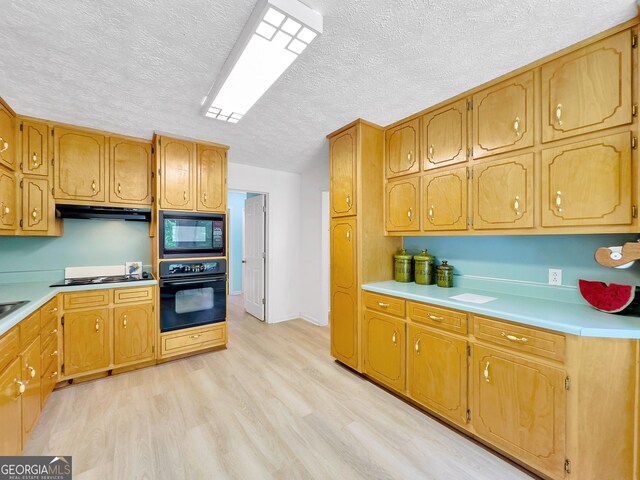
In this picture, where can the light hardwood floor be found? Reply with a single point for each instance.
(273, 405)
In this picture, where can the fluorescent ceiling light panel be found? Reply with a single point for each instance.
(276, 33)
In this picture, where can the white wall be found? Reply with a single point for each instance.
(314, 280)
(283, 234)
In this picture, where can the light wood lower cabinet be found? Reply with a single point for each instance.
(520, 407)
(87, 341)
(10, 410)
(133, 334)
(437, 372)
(384, 349)
(31, 371)
(193, 339)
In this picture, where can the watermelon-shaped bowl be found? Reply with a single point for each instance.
(611, 298)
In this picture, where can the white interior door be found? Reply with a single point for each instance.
(255, 256)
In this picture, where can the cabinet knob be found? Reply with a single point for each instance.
(348, 200)
(409, 156)
(435, 318)
(53, 375)
(53, 310)
(486, 373)
(32, 371)
(97, 324)
(195, 336)
(394, 337)
(417, 346)
(184, 195)
(34, 214)
(516, 126)
(205, 198)
(54, 353)
(93, 186)
(124, 322)
(431, 209)
(21, 386)
(409, 213)
(431, 152)
(34, 159)
(53, 332)
(516, 205)
(559, 201)
(5, 145)
(559, 113)
(119, 188)
(383, 305)
(4, 210)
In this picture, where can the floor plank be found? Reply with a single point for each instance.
(272, 405)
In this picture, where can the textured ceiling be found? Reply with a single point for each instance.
(135, 66)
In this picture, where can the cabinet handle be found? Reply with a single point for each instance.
(417, 346)
(21, 386)
(516, 126)
(410, 213)
(5, 145)
(431, 152)
(486, 373)
(34, 214)
(54, 374)
(205, 198)
(54, 353)
(383, 305)
(559, 114)
(348, 199)
(119, 188)
(431, 213)
(184, 195)
(124, 322)
(348, 234)
(53, 332)
(559, 201)
(32, 371)
(196, 336)
(513, 338)
(516, 205)
(4, 210)
(34, 159)
(93, 186)
(409, 156)
(394, 337)
(97, 324)
(53, 310)
(437, 319)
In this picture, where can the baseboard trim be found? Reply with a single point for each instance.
(313, 320)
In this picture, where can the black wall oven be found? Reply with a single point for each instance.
(192, 294)
(191, 235)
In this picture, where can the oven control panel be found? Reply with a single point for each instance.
(190, 268)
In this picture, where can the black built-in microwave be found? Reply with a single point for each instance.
(191, 235)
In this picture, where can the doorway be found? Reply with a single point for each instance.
(247, 252)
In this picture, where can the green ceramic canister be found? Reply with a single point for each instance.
(445, 275)
(402, 266)
(423, 268)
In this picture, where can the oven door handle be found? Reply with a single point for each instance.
(192, 281)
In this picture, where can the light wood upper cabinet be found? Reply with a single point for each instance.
(384, 349)
(177, 160)
(503, 193)
(588, 90)
(437, 372)
(342, 160)
(402, 144)
(79, 166)
(37, 214)
(10, 410)
(30, 364)
(87, 341)
(520, 406)
(8, 215)
(503, 117)
(7, 137)
(212, 179)
(444, 200)
(129, 171)
(133, 334)
(588, 183)
(35, 148)
(403, 205)
(343, 253)
(444, 136)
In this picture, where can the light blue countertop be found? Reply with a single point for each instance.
(39, 293)
(576, 319)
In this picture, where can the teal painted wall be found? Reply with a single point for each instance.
(528, 258)
(85, 242)
(235, 204)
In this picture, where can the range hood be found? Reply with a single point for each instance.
(104, 213)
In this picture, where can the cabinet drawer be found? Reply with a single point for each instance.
(187, 341)
(438, 317)
(384, 304)
(48, 329)
(9, 347)
(48, 382)
(92, 298)
(49, 315)
(29, 328)
(132, 295)
(517, 337)
(49, 351)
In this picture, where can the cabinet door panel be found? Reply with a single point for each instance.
(343, 156)
(35, 148)
(344, 326)
(520, 406)
(31, 373)
(176, 176)
(444, 136)
(79, 165)
(130, 170)
(437, 372)
(402, 205)
(588, 90)
(444, 200)
(503, 193)
(402, 149)
(133, 339)
(7, 138)
(10, 410)
(384, 347)
(7, 200)
(87, 341)
(35, 205)
(588, 183)
(212, 178)
(343, 253)
(503, 117)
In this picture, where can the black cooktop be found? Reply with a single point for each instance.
(71, 282)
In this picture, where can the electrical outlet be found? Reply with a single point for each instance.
(555, 276)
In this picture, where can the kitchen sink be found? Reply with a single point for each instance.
(7, 308)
